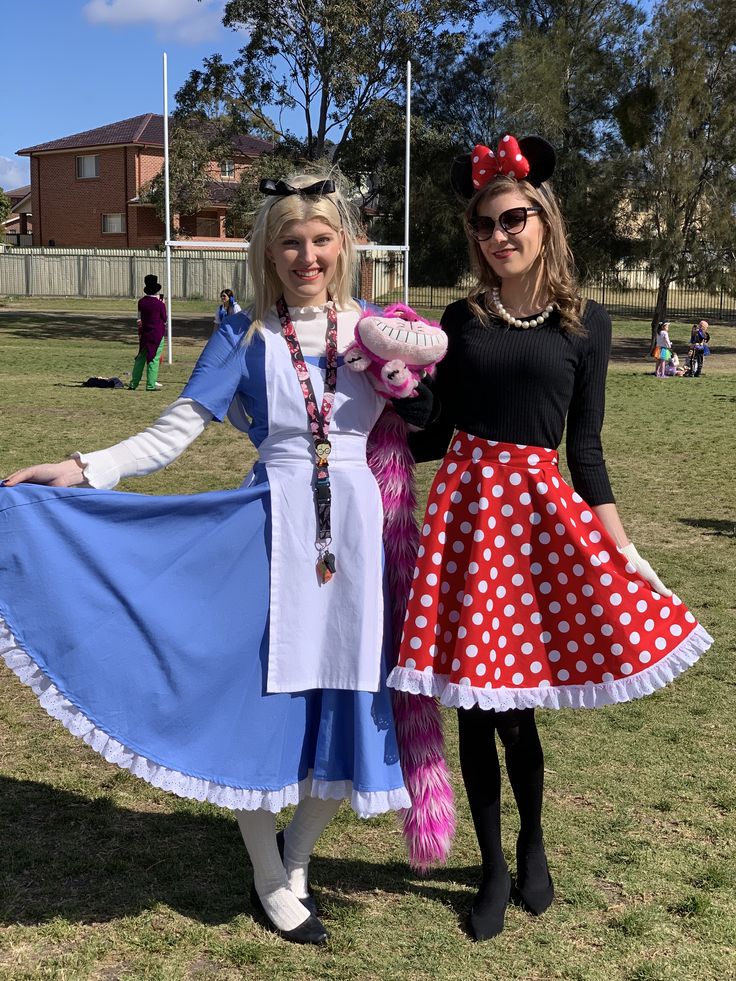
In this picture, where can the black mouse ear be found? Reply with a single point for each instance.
(541, 157)
(461, 176)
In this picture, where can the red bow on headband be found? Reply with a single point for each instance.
(508, 159)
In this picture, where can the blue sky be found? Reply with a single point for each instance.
(71, 65)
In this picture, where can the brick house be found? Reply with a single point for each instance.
(85, 187)
(19, 222)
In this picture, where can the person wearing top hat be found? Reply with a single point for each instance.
(151, 332)
(527, 592)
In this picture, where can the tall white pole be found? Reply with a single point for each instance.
(407, 174)
(168, 207)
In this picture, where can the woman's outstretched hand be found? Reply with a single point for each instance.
(645, 570)
(68, 473)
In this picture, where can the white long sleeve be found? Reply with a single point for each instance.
(156, 447)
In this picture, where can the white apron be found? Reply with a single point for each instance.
(322, 635)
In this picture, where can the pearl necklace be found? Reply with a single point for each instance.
(515, 321)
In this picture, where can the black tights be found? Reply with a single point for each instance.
(517, 731)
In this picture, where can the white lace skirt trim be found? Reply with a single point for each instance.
(588, 695)
(365, 803)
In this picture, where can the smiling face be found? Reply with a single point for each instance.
(305, 256)
(511, 254)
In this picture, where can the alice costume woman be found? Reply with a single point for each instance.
(221, 665)
(521, 597)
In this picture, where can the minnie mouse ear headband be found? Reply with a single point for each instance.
(530, 159)
(281, 188)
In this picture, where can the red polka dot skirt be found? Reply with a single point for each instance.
(521, 599)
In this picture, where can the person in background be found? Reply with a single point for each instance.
(228, 306)
(699, 338)
(151, 333)
(665, 348)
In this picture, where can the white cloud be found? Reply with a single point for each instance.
(13, 173)
(185, 21)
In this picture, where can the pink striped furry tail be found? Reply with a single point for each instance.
(429, 826)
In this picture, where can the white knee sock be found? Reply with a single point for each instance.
(310, 819)
(258, 829)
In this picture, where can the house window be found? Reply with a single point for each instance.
(88, 166)
(227, 168)
(113, 224)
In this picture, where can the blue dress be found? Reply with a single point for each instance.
(158, 659)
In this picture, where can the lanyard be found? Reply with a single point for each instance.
(319, 426)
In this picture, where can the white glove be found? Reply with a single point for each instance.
(644, 569)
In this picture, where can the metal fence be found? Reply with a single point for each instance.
(626, 291)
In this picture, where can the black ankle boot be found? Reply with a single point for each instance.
(489, 907)
(310, 932)
(309, 902)
(533, 889)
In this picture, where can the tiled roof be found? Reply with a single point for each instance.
(18, 192)
(145, 130)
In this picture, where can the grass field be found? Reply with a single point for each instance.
(103, 877)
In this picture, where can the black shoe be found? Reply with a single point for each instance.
(533, 889)
(489, 908)
(309, 902)
(310, 932)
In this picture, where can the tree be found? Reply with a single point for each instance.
(327, 60)
(4, 210)
(686, 162)
(562, 68)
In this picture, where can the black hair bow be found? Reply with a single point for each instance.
(281, 188)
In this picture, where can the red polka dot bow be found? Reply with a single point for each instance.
(508, 159)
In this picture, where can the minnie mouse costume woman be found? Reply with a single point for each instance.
(526, 593)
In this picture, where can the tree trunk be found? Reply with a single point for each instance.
(660, 309)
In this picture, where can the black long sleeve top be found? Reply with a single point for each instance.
(518, 385)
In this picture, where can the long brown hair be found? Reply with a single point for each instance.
(558, 265)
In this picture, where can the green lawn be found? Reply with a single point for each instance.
(102, 877)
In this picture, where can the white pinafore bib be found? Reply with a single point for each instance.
(321, 635)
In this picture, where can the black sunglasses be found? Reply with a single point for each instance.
(512, 222)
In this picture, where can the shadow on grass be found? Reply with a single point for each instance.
(77, 327)
(87, 861)
(722, 527)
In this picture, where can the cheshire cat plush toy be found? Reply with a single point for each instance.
(396, 348)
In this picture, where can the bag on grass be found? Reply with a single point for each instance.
(97, 382)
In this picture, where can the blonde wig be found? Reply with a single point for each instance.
(272, 216)
(558, 265)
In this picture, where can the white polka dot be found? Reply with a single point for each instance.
(499, 541)
(553, 557)
(426, 600)
(462, 631)
(526, 549)
(504, 456)
(456, 664)
(606, 579)
(578, 570)
(545, 587)
(563, 626)
(445, 587)
(563, 675)
(625, 619)
(458, 547)
(442, 538)
(664, 612)
(626, 668)
(452, 567)
(641, 606)
(507, 510)
(420, 551)
(517, 630)
(559, 528)
(515, 479)
(480, 669)
(598, 658)
(451, 468)
(581, 666)
(675, 629)
(432, 509)
(632, 587)
(535, 518)
(594, 560)
(617, 650)
(502, 641)
(471, 650)
(415, 643)
(484, 503)
(421, 622)
(527, 648)
(535, 667)
(482, 586)
(431, 579)
(616, 599)
(542, 487)
(645, 657)
(545, 636)
(525, 498)
(465, 478)
(569, 550)
(589, 639)
(491, 521)
(606, 629)
(468, 600)
(562, 578)
(508, 561)
(551, 507)
(604, 556)
(478, 535)
(536, 617)
(545, 538)
(572, 646)
(509, 660)
(501, 592)
(487, 471)
(553, 656)
(410, 663)
(535, 568)
(527, 599)
(473, 507)
(634, 637)
(649, 624)
(595, 536)
(580, 619)
(587, 517)
(518, 678)
(477, 619)
(517, 530)
(660, 643)
(597, 610)
(688, 615)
